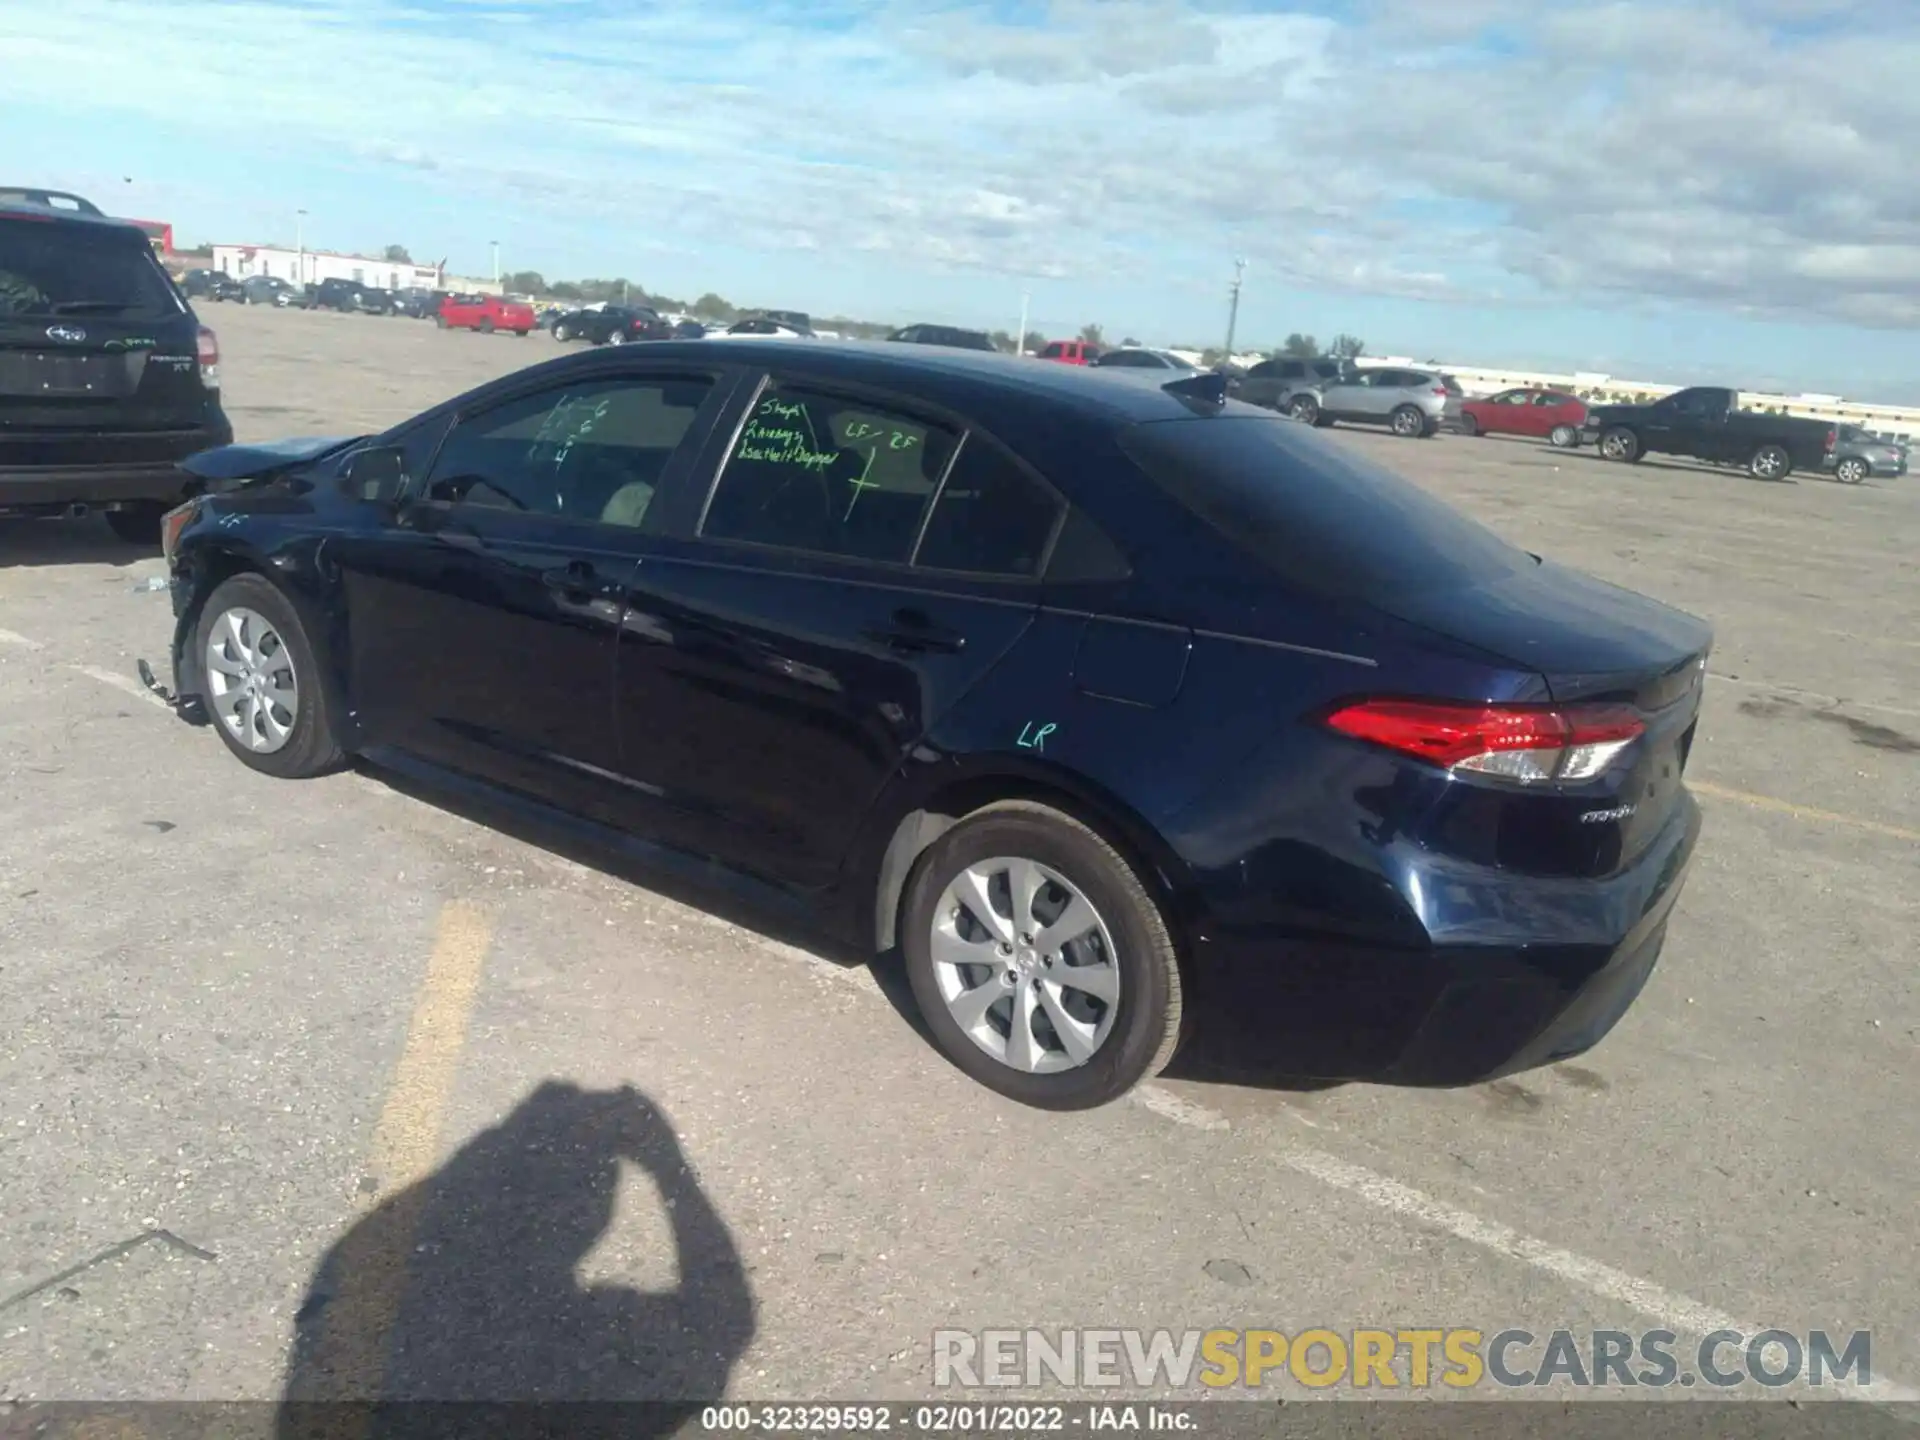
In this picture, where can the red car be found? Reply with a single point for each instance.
(1548, 414)
(485, 313)
(1070, 352)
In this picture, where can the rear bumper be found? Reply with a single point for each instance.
(1450, 1014)
(105, 468)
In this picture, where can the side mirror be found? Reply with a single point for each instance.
(377, 476)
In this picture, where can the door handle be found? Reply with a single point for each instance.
(913, 634)
(578, 580)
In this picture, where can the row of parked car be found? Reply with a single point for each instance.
(1706, 423)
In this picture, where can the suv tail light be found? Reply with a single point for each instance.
(1440, 390)
(1532, 744)
(1833, 437)
(209, 359)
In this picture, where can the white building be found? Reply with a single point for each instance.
(310, 267)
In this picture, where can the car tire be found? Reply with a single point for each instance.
(1770, 462)
(441, 321)
(1409, 422)
(1563, 437)
(1129, 1037)
(1305, 409)
(138, 524)
(1620, 444)
(485, 327)
(562, 334)
(1851, 471)
(1469, 426)
(288, 711)
(616, 337)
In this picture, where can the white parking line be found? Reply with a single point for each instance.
(1169, 1106)
(10, 637)
(126, 684)
(1673, 1310)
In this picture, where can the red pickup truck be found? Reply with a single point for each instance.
(485, 313)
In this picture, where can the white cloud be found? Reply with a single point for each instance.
(1754, 155)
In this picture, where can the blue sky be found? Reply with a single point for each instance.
(1488, 181)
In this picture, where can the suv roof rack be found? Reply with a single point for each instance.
(49, 199)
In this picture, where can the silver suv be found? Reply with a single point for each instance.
(1411, 403)
(1274, 383)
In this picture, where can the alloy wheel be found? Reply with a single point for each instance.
(251, 683)
(1407, 421)
(1025, 965)
(1852, 471)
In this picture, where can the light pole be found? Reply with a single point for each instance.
(300, 247)
(1233, 306)
(1020, 339)
(496, 260)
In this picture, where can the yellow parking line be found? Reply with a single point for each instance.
(1800, 812)
(407, 1139)
(370, 1265)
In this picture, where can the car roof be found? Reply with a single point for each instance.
(11, 207)
(968, 377)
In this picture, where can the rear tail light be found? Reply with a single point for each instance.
(1440, 390)
(1531, 744)
(209, 359)
(1833, 438)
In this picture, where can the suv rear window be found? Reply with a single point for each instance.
(80, 269)
(1321, 517)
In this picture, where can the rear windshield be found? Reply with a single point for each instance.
(1325, 519)
(77, 269)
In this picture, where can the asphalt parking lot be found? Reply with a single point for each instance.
(308, 1083)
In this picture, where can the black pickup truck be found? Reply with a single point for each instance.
(1705, 422)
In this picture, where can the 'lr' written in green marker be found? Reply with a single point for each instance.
(1032, 738)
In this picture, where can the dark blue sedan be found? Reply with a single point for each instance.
(1134, 718)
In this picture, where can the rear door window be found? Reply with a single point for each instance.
(1322, 517)
(816, 472)
(991, 518)
(51, 269)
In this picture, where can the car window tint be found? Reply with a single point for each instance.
(594, 451)
(80, 270)
(831, 476)
(990, 519)
(1322, 516)
(1264, 370)
(1084, 552)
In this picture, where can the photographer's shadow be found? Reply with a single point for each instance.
(464, 1287)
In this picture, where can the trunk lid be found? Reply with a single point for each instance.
(1593, 644)
(93, 336)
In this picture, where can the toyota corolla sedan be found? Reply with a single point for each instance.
(1134, 718)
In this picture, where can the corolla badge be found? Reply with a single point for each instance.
(72, 334)
(1602, 817)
